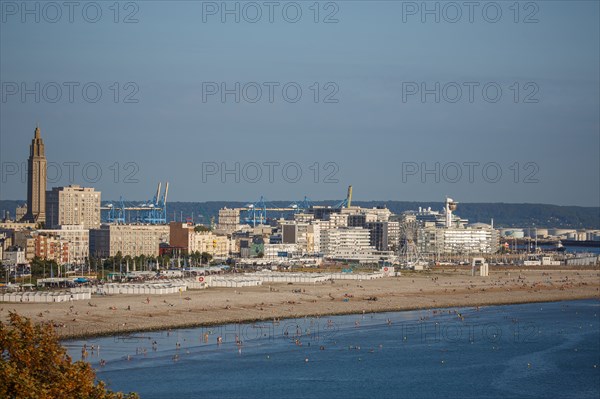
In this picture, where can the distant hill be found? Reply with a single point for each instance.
(504, 215)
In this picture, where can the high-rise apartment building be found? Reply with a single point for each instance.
(73, 205)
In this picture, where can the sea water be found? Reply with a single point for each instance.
(517, 351)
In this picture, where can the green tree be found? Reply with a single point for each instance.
(141, 262)
(195, 258)
(34, 365)
(206, 257)
(41, 268)
(163, 261)
(118, 257)
(38, 267)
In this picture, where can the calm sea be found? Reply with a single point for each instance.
(539, 350)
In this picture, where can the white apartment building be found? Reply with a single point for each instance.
(348, 243)
(468, 240)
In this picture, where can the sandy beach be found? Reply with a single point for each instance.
(107, 315)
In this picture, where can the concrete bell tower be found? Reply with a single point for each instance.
(36, 180)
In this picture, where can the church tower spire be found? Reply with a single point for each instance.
(36, 180)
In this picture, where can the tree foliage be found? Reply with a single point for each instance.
(201, 228)
(33, 364)
(206, 257)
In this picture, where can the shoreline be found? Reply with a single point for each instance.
(129, 314)
(343, 313)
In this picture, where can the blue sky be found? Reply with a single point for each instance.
(373, 137)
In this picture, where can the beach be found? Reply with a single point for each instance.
(109, 315)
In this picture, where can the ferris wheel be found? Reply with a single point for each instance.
(408, 251)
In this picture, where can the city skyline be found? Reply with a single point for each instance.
(38, 178)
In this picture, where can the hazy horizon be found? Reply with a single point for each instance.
(354, 200)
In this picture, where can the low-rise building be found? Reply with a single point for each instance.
(25, 239)
(79, 242)
(193, 239)
(305, 234)
(14, 256)
(128, 239)
(20, 212)
(17, 226)
(50, 247)
(277, 252)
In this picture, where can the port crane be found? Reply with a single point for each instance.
(149, 212)
(256, 213)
